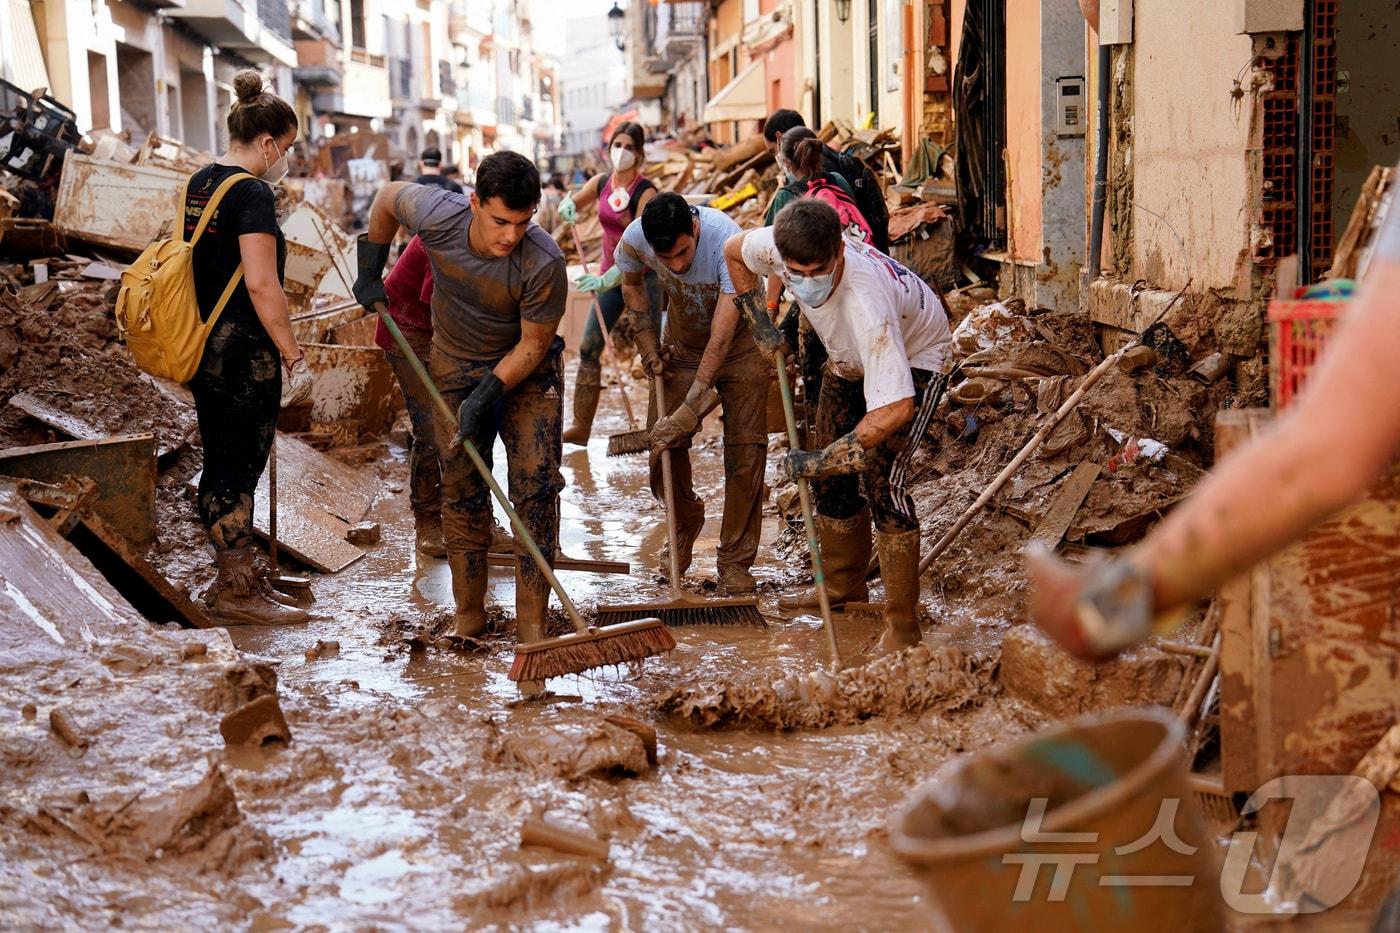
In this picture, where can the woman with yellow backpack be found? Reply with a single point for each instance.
(251, 364)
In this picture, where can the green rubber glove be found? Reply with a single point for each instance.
(567, 211)
(599, 283)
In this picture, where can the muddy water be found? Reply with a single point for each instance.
(396, 807)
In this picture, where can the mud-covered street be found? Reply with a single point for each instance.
(400, 799)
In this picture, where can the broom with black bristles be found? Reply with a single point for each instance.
(682, 608)
(634, 439)
(588, 646)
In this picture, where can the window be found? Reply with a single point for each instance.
(357, 23)
(750, 10)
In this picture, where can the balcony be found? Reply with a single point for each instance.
(318, 64)
(309, 22)
(363, 92)
(260, 31)
(475, 107)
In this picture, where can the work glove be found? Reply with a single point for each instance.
(599, 283)
(369, 260)
(1095, 609)
(843, 455)
(568, 212)
(469, 413)
(677, 427)
(767, 336)
(296, 382)
(650, 351)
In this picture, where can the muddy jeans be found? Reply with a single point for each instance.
(424, 468)
(883, 482)
(530, 420)
(237, 395)
(742, 384)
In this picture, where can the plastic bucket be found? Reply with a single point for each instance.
(1092, 859)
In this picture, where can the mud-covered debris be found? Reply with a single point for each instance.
(256, 723)
(913, 681)
(539, 832)
(575, 750)
(523, 888)
(364, 534)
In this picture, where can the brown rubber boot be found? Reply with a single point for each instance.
(899, 566)
(530, 609)
(736, 581)
(428, 535)
(469, 595)
(237, 595)
(845, 544)
(588, 385)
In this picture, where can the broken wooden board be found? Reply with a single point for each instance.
(318, 499)
(51, 596)
(109, 552)
(1070, 496)
(114, 205)
(77, 427)
(355, 385)
(564, 562)
(124, 469)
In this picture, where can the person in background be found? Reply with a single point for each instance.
(499, 290)
(252, 365)
(800, 158)
(409, 287)
(869, 196)
(709, 359)
(548, 214)
(1323, 453)
(622, 194)
(890, 349)
(430, 171)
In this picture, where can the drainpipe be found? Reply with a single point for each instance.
(817, 64)
(1101, 118)
(911, 121)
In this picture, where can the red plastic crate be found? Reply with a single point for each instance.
(1298, 333)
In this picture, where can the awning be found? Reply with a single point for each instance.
(744, 98)
(23, 65)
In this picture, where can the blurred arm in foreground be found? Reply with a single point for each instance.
(1324, 452)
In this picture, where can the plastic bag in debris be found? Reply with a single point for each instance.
(990, 325)
(1134, 449)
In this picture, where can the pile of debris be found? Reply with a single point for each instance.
(742, 180)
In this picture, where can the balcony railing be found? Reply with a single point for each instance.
(276, 15)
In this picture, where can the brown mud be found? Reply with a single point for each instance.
(413, 763)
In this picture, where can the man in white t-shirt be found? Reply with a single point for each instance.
(886, 335)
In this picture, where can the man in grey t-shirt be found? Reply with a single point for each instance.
(712, 360)
(499, 293)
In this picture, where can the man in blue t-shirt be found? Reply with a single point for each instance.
(706, 357)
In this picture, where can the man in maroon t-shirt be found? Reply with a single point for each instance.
(410, 290)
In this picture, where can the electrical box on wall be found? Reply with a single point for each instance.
(1256, 16)
(1070, 104)
(1115, 22)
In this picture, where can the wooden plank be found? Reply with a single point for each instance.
(564, 562)
(318, 499)
(1072, 492)
(52, 600)
(77, 427)
(143, 586)
(114, 205)
(123, 467)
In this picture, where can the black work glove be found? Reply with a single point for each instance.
(769, 340)
(369, 260)
(482, 398)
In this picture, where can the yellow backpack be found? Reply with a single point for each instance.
(157, 311)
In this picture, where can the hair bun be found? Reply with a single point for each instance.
(248, 85)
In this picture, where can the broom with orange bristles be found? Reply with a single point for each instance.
(587, 646)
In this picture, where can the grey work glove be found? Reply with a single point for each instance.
(677, 427)
(296, 382)
(843, 455)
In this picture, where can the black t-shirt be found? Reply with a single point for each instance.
(439, 181)
(247, 207)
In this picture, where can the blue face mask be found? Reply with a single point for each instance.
(811, 290)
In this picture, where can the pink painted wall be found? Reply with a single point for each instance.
(1023, 127)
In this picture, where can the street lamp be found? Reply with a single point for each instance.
(843, 10)
(616, 24)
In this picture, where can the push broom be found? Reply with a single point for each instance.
(682, 608)
(587, 646)
(634, 439)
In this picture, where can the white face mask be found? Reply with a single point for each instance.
(622, 158)
(811, 290)
(276, 170)
(785, 169)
